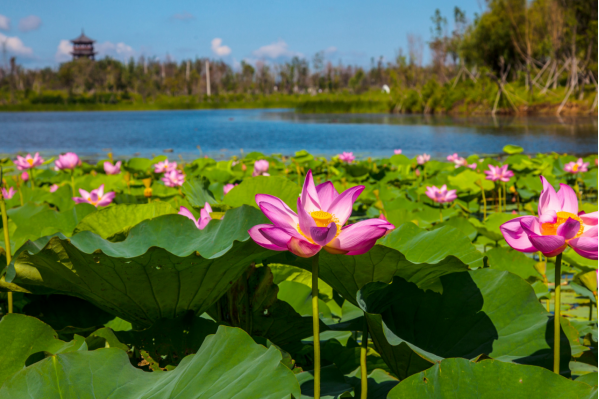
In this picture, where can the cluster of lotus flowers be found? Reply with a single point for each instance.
(323, 212)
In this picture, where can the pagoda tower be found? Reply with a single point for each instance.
(83, 47)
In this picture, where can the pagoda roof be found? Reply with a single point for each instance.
(83, 39)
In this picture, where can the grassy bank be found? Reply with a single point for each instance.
(465, 98)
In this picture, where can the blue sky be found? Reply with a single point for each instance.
(37, 32)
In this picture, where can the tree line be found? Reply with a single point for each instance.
(543, 44)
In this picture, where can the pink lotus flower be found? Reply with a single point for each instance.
(53, 188)
(453, 158)
(260, 168)
(576, 167)
(24, 176)
(165, 166)
(347, 157)
(422, 159)
(95, 197)
(70, 160)
(558, 225)
(319, 223)
(174, 178)
(440, 195)
(397, 152)
(471, 166)
(227, 188)
(499, 173)
(417, 172)
(8, 194)
(111, 169)
(204, 215)
(28, 162)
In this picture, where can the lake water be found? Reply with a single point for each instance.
(223, 133)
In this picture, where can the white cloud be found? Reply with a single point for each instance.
(4, 22)
(29, 23)
(63, 52)
(219, 49)
(118, 50)
(184, 16)
(330, 50)
(15, 46)
(275, 50)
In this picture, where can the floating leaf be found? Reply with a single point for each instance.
(245, 193)
(512, 149)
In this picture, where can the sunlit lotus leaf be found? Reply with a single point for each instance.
(514, 262)
(470, 181)
(47, 222)
(115, 221)
(142, 164)
(461, 224)
(229, 364)
(512, 149)
(23, 336)
(165, 266)
(461, 378)
(480, 312)
(245, 192)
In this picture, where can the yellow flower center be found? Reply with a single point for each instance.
(30, 162)
(550, 229)
(575, 167)
(322, 219)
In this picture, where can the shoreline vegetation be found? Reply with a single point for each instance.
(441, 100)
(517, 58)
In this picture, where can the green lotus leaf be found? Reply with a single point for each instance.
(197, 193)
(590, 379)
(142, 164)
(23, 336)
(461, 378)
(470, 181)
(422, 246)
(47, 222)
(461, 224)
(480, 312)
(303, 156)
(400, 160)
(514, 262)
(512, 149)
(115, 221)
(165, 266)
(245, 192)
(61, 198)
(490, 228)
(229, 364)
(347, 274)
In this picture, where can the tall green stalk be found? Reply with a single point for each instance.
(6, 244)
(316, 326)
(31, 178)
(363, 366)
(557, 312)
(499, 198)
(484, 203)
(73, 182)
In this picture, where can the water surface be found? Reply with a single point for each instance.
(222, 133)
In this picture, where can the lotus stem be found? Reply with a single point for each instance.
(441, 212)
(557, 312)
(504, 197)
(6, 245)
(316, 326)
(484, 203)
(499, 198)
(31, 178)
(73, 182)
(363, 366)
